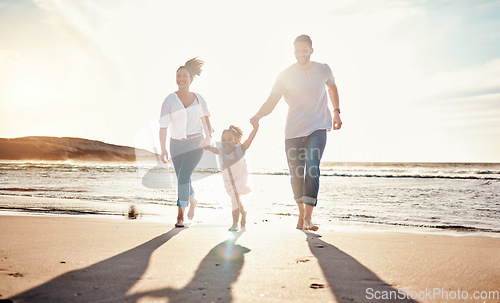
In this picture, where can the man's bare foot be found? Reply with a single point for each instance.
(243, 221)
(308, 225)
(300, 223)
(192, 206)
(233, 228)
(180, 223)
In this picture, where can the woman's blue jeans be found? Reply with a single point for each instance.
(186, 154)
(304, 155)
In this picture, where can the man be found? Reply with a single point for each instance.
(303, 86)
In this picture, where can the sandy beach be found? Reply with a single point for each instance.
(92, 259)
(379, 115)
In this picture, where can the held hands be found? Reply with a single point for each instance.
(205, 142)
(255, 121)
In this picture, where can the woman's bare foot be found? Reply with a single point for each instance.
(300, 223)
(233, 228)
(192, 206)
(180, 223)
(308, 225)
(243, 221)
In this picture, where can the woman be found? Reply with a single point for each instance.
(186, 113)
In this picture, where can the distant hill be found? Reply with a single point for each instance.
(65, 148)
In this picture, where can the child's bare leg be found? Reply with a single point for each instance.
(308, 225)
(300, 222)
(243, 213)
(236, 211)
(180, 217)
(236, 217)
(192, 206)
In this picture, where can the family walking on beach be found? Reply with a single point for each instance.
(303, 87)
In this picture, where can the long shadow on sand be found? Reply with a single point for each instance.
(212, 280)
(348, 279)
(110, 278)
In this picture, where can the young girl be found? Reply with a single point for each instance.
(234, 168)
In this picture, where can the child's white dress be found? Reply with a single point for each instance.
(234, 165)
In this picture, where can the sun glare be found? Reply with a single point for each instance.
(30, 92)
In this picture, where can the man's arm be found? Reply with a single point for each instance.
(266, 108)
(334, 97)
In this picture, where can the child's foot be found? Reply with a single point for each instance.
(300, 223)
(180, 223)
(233, 228)
(243, 221)
(192, 205)
(308, 225)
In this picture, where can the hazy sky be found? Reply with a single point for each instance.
(418, 80)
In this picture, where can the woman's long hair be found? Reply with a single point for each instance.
(193, 66)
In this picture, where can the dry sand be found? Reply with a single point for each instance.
(81, 259)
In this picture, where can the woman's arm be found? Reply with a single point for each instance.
(164, 123)
(207, 127)
(163, 141)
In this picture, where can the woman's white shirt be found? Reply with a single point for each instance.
(183, 121)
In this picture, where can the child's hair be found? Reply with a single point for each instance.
(193, 66)
(238, 133)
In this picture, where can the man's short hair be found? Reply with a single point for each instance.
(304, 38)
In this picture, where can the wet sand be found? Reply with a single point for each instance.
(87, 259)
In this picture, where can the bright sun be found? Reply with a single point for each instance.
(31, 91)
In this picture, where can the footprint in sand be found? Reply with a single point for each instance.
(317, 285)
(303, 260)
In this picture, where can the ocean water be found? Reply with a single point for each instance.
(450, 196)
